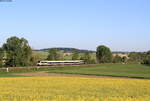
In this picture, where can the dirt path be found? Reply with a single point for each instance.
(45, 73)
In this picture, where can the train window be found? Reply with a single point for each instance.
(43, 62)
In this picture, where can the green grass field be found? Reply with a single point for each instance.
(116, 70)
(11, 75)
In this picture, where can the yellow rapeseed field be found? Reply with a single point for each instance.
(73, 89)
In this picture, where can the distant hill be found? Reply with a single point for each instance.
(70, 50)
(67, 50)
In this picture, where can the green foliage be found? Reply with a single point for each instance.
(117, 59)
(75, 55)
(18, 52)
(103, 54)
(37, 56)
(87, 58)
(1, 57)
(67, 57)
(124, 59)
(135, 57)
(148, 53)
(53, 55)
(147, 58)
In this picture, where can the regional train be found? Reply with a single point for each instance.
(65, 62)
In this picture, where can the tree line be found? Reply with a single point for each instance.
(17, 52)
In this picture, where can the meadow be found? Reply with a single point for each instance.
(73, 89)
(115, 70)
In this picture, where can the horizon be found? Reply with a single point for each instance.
(120, 25)
(86, 49)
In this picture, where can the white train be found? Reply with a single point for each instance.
(68, 62)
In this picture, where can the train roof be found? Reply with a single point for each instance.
(62, 61)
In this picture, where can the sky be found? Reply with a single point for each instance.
(122, 25)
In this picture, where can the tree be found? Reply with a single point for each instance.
(53, 54)
(18, 52)
(148, 53)
(117, 59)
(37, 56)
(87, 58)
(147, 58)
(1, 57)
(124, 59)
(75, 55)
(103, 54)
(135, 57)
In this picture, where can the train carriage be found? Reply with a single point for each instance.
(68, 62)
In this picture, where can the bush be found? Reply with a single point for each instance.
(117, 59)
(147, 58)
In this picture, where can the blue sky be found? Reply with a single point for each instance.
(122, 25)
